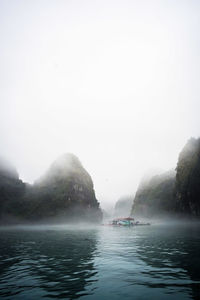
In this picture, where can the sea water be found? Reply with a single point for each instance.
(103, 262)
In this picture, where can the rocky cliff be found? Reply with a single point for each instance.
(65, 193)
(188, 179)
(155, 196)
(123, 206)
(175, 192)
(12, 190)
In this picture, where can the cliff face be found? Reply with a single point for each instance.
(155, 196)
(65, 193)
(177, 193)
(11, 190)
(188, 179)
(123, 206)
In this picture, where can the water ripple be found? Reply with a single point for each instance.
(102, 263)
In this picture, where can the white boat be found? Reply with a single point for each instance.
(126, 222)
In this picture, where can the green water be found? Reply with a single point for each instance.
(64, 262)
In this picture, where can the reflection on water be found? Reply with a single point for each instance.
(153, 262)
(172, 257)
(56, 264)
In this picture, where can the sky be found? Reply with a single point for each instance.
(114, 82)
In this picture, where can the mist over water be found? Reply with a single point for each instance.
(115, 83)
(71, 262)
(97, 100)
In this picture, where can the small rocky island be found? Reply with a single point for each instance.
(65, 193)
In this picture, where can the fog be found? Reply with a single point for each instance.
(114, 82)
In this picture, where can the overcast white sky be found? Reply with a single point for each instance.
(114, 82)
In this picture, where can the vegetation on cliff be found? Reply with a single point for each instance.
(155, 196)
(11, 190)
(64, 193)
(173, 192)
(188, 179)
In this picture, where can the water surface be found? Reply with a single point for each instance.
(65, 262)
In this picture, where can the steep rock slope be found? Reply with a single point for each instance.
(155, 196)
(188, 179)
(64, 193)
(123, 206)
(11, 191)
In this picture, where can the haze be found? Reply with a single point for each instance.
(114, 82)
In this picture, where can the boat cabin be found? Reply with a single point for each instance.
(123, 221)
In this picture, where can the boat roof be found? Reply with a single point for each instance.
(124, 219)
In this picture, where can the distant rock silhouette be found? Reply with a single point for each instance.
(188, 179)
(123, 206)
(65, 193)
(155, 196)
(173, 192)
(12, 190)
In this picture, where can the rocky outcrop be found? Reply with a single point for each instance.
(188, 179)
(11, 191)
(123, 206)
(65, 193)
(155, 196)
(173, 193)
